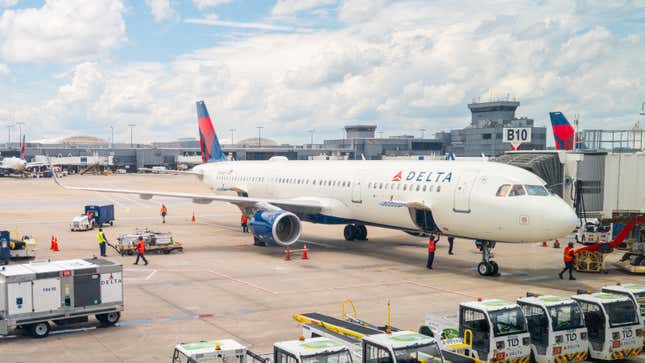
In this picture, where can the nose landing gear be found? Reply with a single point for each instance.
(487, 267)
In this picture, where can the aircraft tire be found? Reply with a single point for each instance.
(495, 268)
(484, 268)
(361, 232)
(350, 232)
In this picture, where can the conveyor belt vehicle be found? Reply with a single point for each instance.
(613, 325)
(636, 292)
(214, 351)
(557, 328)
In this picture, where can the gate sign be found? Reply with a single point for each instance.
(516, 136)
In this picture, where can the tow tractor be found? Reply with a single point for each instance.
(636, 292)
(94, 216)
(613, 326)
(312, 350)
(557, 328)
(225, 350)
(369, 343)
(20, 249)
(160, 242)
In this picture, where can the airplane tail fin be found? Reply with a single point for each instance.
(22, 147)
(208, 141)
(563, 132)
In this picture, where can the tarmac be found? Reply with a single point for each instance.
(222, 286)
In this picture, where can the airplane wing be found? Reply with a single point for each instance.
(296, 206)
(172, 172)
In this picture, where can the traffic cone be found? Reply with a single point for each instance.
(193, 219)
(304, 253)
(544, 244)
(556, 244)
(287, 254)
(51, 245)
(55, 244)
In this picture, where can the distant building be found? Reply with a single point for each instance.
(484, 135)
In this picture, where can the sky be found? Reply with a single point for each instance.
(78, 67)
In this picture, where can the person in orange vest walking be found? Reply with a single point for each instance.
(244, 222)
(568, 261)
(141, 250)
(432, 247)
(164, 212)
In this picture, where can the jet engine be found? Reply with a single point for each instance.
(275, 227)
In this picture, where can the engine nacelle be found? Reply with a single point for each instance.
(275, 227)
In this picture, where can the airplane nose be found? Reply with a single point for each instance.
(561, 220)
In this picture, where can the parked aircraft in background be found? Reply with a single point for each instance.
(484, 201)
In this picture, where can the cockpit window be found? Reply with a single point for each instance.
(536, 190)
(517, 190)
(503, 190)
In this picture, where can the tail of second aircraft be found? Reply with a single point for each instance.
(208, 142)
(563, 132)
(22, 147)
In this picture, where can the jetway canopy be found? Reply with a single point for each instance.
(546, 165)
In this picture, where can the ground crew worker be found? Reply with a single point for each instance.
(5, 251)
(164, 211)
(141, 249)
(102, 241)
(568, 261)
(431, 248)
(244, 222)
(451, 240)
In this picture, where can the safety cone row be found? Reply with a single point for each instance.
(544, 244)
(287, 254)
(305, 256)
(54, 244)
(193, 219)
(556, 244)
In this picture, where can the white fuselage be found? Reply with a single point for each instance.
(13, 164)
(462, 195)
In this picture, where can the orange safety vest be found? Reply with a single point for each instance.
(141, 247)
(244, 219)
(164, 210)
(431, 246)
(568, 254)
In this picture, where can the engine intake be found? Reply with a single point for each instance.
(275, 227)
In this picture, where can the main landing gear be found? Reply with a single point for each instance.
(355, 232)
(487, 267)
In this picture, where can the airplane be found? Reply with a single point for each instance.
(14, 165)
(483, 201)
(563, 132)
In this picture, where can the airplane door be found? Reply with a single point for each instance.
(356, 191)
(463, 190)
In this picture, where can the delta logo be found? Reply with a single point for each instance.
(398, 176)
(424, 176)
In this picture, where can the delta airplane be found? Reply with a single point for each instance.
(14, 165)
(483, 201)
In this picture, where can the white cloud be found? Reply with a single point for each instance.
(289, 7)
(161, 10)
(62, 31)
(214, 21)
(4, 71)
(355, 11)
(8, 3)
(202, 4)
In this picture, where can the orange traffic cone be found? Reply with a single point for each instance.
(51, 245)
(543, 243)
(56, 244)
(287, 254)
(193, 219)
(556, 244)
(304, 253)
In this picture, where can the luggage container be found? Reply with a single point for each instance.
(160, 242)
(34, 295)
(613, 325)
(557, 328)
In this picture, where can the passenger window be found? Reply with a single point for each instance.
(503, 190)
(438, 188)
(425, 187)
(369, 185)
(430, 189)
(517, 190)
(349, 184)
(405, 187)
(418, 187)
(398, 187)
(380, 186)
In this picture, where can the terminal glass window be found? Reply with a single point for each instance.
(565, 317)
(375, 354)
(536, 190)
(595, 323)
(508, 321)
(338, 357)
(428, 353)
(538, 325)
(621, 313)
(517, 190)
(503, 190)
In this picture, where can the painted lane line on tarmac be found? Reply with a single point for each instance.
(151, 274)
(244, 282)
(440, 289)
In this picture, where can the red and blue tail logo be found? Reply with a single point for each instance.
(563, 132)
(23, 143)
(208, 142)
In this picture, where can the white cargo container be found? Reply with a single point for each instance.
(624, 183)
(35, 294)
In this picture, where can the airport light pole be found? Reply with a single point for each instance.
(312, 132)
(9, 126)
(260, 136)
(131, 127)
(20, 123)
(112, 143)
(232, 136)
(423, 133)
